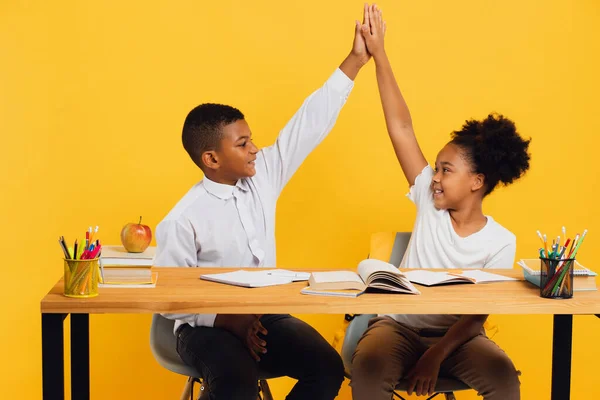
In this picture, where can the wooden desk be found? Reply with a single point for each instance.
(180, 291)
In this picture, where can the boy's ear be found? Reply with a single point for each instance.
(210, 159)
(478, 182)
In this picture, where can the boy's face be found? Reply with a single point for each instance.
(454, 180)
(237, 154)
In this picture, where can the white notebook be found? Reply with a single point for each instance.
(254, 279)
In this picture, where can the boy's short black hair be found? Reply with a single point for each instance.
(495, 149)
(203, 128)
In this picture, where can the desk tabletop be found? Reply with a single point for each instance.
(179, 290)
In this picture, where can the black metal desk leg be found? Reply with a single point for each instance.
(80, 356)
(53, 357)
(562, 341)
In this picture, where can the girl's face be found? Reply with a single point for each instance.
(454, 182)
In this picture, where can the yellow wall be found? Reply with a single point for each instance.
(93, 96)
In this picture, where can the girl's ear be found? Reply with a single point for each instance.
(478, 182)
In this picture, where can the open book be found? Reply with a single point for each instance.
(432, 278)
(373, 275)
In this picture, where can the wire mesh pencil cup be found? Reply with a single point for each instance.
(556, 278)
(81, 278)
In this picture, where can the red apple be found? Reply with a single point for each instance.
(136, 237)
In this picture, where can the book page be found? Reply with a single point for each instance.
(381, 275)
(120, 252)
(368, 267)
(431, 278)
(485, 277)
(335, 280)
(132, 285)
(336, 276)
(335, 293)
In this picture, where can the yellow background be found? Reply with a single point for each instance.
(93, 96)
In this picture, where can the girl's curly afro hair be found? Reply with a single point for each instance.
(494, 148)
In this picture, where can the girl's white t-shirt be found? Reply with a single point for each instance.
(435, 244)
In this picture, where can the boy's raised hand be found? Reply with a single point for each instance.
(359, 46)
(373, 30)
(359, 55)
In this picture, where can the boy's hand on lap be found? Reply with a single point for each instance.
(246, 327)
(423, 377)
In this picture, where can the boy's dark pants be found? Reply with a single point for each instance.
(294, 349)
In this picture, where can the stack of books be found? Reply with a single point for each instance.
(584, 279)
(119, 268)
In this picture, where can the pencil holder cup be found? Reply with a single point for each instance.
(81, 278)
(556, 278)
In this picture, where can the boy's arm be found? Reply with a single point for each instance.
(176, 247)
(315, 118)
(397, 116)
(423, 376)
(175, 244)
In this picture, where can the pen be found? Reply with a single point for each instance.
(63, 248)
(64, 243)
(94, 253)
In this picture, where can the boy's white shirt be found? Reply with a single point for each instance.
(216, 225)
(435, 244)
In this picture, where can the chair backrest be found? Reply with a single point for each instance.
(385, 246)
(389, 246)
(163, 344)
(354, 331)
